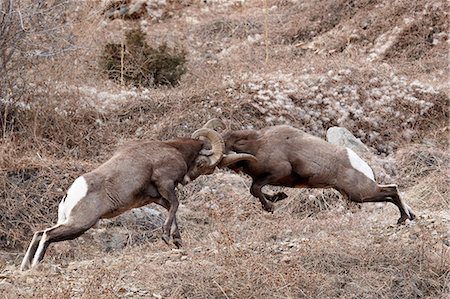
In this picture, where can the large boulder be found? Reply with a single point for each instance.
(342, 136)
(383, 167)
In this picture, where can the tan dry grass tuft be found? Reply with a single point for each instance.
(31, 193)
(433, 191)
(417, 161)
(425, 170)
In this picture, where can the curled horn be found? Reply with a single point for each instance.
(232, 158)
(217, 144)
(214, 124)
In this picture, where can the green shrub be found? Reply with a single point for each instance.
(139, 64)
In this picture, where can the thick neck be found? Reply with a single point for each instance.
(189, 148)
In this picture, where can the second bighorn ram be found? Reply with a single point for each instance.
(286, 156)
(136, 175)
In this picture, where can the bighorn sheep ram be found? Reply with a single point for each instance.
(286, 156)
(136, 175)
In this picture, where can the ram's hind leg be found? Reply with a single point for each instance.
(391, 191)
(387, 193)
(57, 233)
(26, 262)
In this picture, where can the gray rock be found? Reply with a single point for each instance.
(342, 136)
(382, 168)
(5, 285)
(144, 216)
(133, 227)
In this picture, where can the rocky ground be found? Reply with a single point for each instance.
(233, 249)
(278, 265)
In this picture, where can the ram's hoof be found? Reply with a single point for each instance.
(25, 267)
(278, 196)
(166, 239)
(268, 207)
(411, 215)
(402, 219)
(177, 242)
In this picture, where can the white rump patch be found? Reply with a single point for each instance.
(76, 192)
(358, 164)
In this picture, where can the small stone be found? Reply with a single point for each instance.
(179, 251)
(5, 285)
(55, 269)
(286, 259)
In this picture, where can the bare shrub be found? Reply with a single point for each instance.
(432, 192)
(8, 114)
(139, 64)
(311, 202)
(417, 161)
(30, 33)
(31, 192)
(426, 170)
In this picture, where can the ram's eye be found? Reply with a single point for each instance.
(241, 142)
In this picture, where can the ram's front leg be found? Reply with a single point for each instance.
(167, 191)
(280, 170)
(175, 231)
(256, 191)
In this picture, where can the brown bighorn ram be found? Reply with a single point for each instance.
(286, 156)
(136, 175)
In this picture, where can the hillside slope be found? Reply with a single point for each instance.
(377, 67)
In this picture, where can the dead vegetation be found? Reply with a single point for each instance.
(304, 63)
(136, 63)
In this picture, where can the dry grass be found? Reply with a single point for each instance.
(346, 255)
(315, 245)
